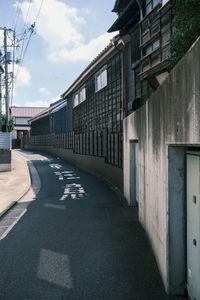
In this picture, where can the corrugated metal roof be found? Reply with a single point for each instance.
(57, 105)
(26, 111)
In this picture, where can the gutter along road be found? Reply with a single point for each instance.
(71, 237)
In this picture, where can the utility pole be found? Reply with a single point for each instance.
(6, 79)
(1, 71)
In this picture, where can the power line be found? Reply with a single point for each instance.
(17, 14)
(26, 19)
(39, 11)
(31, 29)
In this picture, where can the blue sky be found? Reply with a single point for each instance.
(69, 34)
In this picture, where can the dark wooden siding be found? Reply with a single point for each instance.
(97, 122)
(41, 126)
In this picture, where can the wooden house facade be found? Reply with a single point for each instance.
(147, 26)
(92, 133)
(95, 100)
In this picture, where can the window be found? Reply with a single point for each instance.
(101, 79)
(150, 4)
(76, 100)
(151, 47)
(80, 96)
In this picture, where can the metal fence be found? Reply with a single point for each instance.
(5, 140)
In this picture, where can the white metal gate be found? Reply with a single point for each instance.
(193, 225)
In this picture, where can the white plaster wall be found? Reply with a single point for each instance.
(21, 121)
(14, 134)
(170, 117)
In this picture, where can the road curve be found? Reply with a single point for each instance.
(75, 240)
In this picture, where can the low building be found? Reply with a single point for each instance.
(21, 117)
(49, 124)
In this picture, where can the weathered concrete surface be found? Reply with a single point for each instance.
(92, 164)
(5, 160)
(170, 118)
(15, 183)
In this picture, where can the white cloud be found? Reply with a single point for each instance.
(44, 91)
(37, 103)
(83, 51)
(59, 25)
(23, 76)
(54, 99)
(42, 103)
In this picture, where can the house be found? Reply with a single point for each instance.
(21, 117)
(161, 140)
(94, 116)
(148, 28)
(49, 125)
(95, 100)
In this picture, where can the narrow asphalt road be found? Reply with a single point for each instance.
(76, 240)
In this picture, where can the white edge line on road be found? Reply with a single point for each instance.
(13, 224)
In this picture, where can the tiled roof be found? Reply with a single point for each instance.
(29, 112)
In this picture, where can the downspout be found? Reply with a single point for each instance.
(115, 43)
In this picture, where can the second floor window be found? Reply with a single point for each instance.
(150, 4)
(76, 100)
(101, 79)
(151, 47)
(80, 96)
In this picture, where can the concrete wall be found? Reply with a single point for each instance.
(92, 164)
(170, 118)
(5, 160)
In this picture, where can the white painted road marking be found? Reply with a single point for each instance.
(13, 224)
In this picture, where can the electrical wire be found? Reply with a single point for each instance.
(17, 15)
(31, 30)
(39, 11)
(26, 19)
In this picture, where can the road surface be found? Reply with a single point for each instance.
(75, 239)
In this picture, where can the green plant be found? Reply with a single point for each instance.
(11, 123)
(186, 28)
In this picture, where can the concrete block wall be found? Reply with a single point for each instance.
(170, 118)
(5, 160)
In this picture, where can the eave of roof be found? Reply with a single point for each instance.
(48, 111)
(25, 112)
(1, 69)
(120, 5)
(131, 15)
(91, 68)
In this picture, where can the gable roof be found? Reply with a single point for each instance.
(25, 112)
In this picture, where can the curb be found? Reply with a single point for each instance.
(24, 192)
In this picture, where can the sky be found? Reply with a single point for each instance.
(68, 35)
